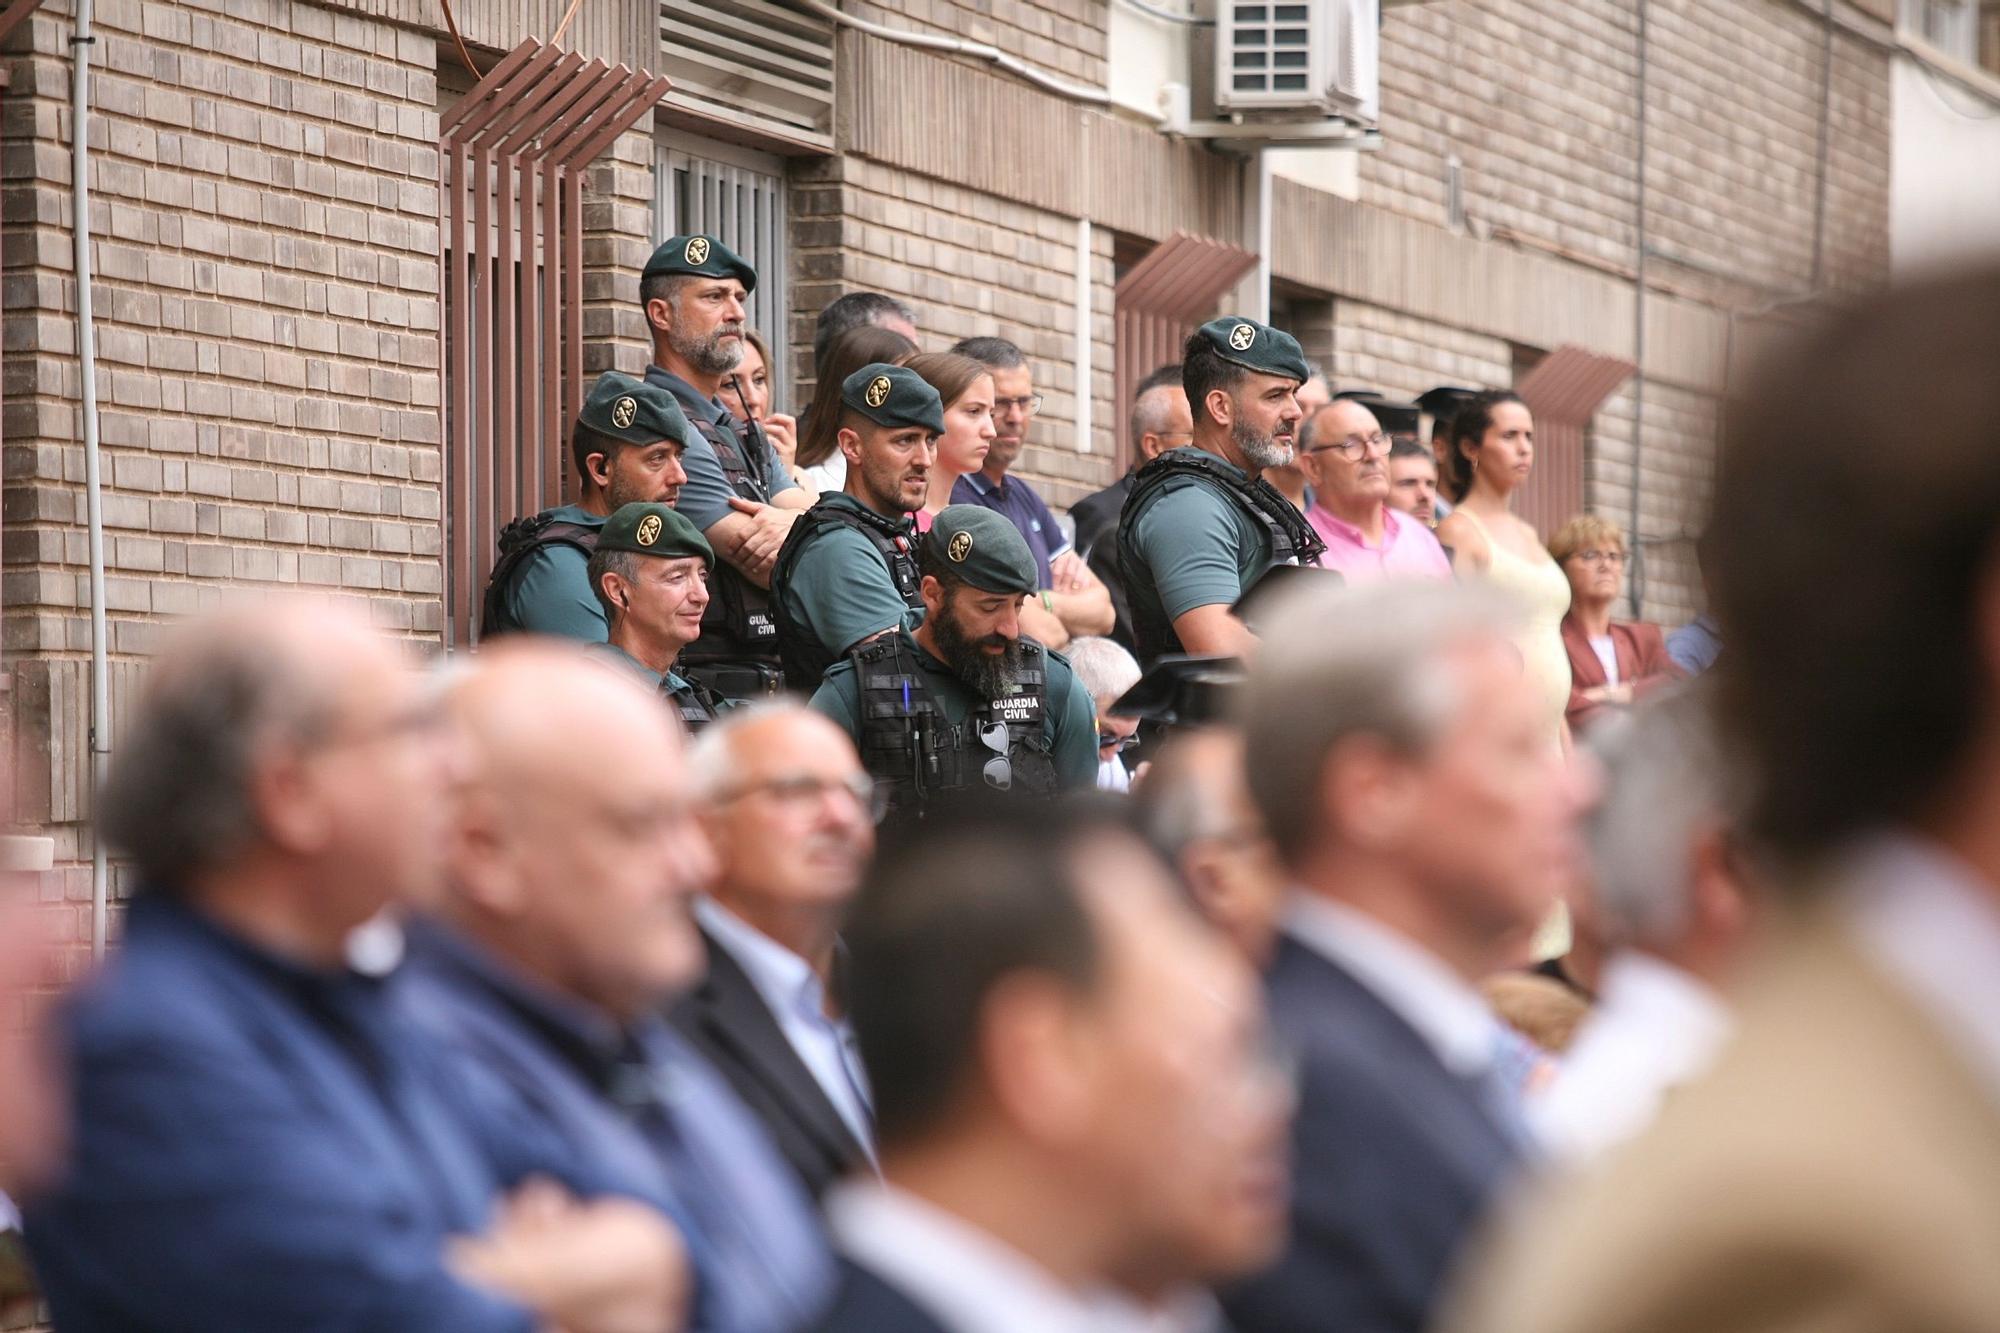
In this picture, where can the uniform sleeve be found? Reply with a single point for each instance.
(704, 497)
(838, 698)
(552, 595)
(182, 1156)
(1072, 725)
(842, 591)
(1190, 548)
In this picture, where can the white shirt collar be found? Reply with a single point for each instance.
(1451, 1017)
(785, 981)
(1926, 919)
(965, 1278)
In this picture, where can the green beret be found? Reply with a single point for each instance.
(1257, 347)
(648, 528)
(983, 548)
(633, 411)
(699, 257)
(893, 396)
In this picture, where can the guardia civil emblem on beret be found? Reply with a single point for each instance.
(624, 411)
(1242, 336)
(649, 530)
(960, 547)
(697, 250)
(877, 392)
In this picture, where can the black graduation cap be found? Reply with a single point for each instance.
(1443, 402)
(1182, 691)
(1398, 416)
(1274, 582)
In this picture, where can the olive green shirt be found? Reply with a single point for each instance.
(839, 590)
(1195, 547)
(550, 591)
(1069, 721)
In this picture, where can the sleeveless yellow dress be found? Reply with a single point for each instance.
(1543, 589)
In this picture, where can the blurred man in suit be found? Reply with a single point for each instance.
(260, 1139)
(1399, 769)
(1839, 1167)
(790, 813)
(565, 930)
(1071, 1107)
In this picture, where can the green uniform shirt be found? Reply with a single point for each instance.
(612, 653)
(1198, 547)
(550, 593)
(1068, 719)
(840, 591)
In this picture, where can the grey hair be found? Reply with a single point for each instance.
(1103, 668)
(1178, 804)
(712, 763)
(1149, 409)
(178, 799)
(1666, 778)
(665, 287)
(624, 564)
(1344, 662)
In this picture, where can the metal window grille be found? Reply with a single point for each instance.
(741, 202)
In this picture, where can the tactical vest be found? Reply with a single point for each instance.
(909, 744)
(805, 657)
(737, 626)
(519, 540)
(1293, 541)
(697, 705)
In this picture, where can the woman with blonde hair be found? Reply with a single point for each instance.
(1612, 662)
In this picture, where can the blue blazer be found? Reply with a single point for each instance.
(867, 1304)
(257, 1146)
(1395, 1157)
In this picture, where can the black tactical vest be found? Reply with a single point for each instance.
(737, 627)
(805, 657)
(697, 705)
(908, 742)
(1293, 541)
(519, 540)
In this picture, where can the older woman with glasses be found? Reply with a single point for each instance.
(1611, 662)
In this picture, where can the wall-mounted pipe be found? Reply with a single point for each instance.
(80, 43)
(1082, 360)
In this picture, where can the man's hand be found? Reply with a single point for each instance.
(1068, 573)
(603, 1266)
(756, 542)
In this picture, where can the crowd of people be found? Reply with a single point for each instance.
(840, 895)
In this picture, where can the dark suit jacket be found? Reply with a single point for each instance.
(1395, 1158)
(727, 1021)
(1642, 663)
(867, 1304)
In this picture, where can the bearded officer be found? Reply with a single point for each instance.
(627, 445)
(965, 703)
(1201, 524)
(650, 572)
(738, 493)
(848, 572)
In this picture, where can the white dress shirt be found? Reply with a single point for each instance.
(793, 993)
(1451, 1016)
(964, 1278)
(1654, 1027)
(1929, 922)
(1112, 775)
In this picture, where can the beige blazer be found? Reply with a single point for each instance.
(1839, 1172)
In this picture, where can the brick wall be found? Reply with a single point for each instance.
(1537, 99)
(1065, 37)
(972, 265)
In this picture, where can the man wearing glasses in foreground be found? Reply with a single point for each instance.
(791, 817)
(967, 703)
(1345, 455)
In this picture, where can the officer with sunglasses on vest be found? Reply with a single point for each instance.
(965, 704)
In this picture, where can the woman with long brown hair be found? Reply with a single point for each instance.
(966, 388)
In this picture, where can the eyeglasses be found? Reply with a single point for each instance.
(1601, 557)
(803, 789)
(1028, 403)
(999, 771)
(1356, 446)
(1107, 740)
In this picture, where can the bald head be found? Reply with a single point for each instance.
(576, 851)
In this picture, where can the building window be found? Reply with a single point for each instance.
(738, 197)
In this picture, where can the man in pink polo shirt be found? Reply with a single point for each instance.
(1346, 458)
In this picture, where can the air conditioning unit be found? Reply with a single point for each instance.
(1287, 59)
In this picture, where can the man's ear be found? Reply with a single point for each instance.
(286, 801)
(597, 467)
(660, 315)
(850, 446)
(1220, 406)
(933, 594)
